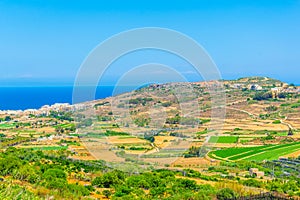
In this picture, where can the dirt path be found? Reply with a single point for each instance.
(244, 111)
(215, 107)
(285, 123)
(282, 121)
(154, 150)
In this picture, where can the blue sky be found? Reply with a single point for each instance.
(45, 42)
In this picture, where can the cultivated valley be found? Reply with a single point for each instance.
(162, 141)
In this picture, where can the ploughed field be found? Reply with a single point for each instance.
(259, 153)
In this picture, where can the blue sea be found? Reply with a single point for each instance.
(21, 98)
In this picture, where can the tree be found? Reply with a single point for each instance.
(78, 190)
(253, 183)
(138, 181)
(57, 183)
(186, 184)
(55, 173)
(7, 118)
(106, 193)
(259, 96)
(9, 164)
(158, 192)
(290, 132)
(193, 152)
(225, 194)
(282, 95)
(59, 130)
(290, 186)
(274, 186)
(109, 179)
(26, 173)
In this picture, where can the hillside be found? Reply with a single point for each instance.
(171, 126)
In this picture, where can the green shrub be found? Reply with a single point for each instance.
(276, 121)
(225, 194)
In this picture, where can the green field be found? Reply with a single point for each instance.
(223, 139)
(50, 148)
(282, 134)
(101, 126)
(7, 126)
(65, 125)
(267, 152)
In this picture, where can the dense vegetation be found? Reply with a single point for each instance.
(48, 174)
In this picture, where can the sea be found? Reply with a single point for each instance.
(22, 98)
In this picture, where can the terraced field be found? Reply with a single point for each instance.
(259, 153)
(223, 139)
(7, 125)
(65, 125)
(48, 148)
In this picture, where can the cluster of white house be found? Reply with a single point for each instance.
(285, 88)
(249, 87)
(46, 109)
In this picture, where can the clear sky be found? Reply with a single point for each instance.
(45, 42)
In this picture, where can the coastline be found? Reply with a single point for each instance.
(36, 98)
